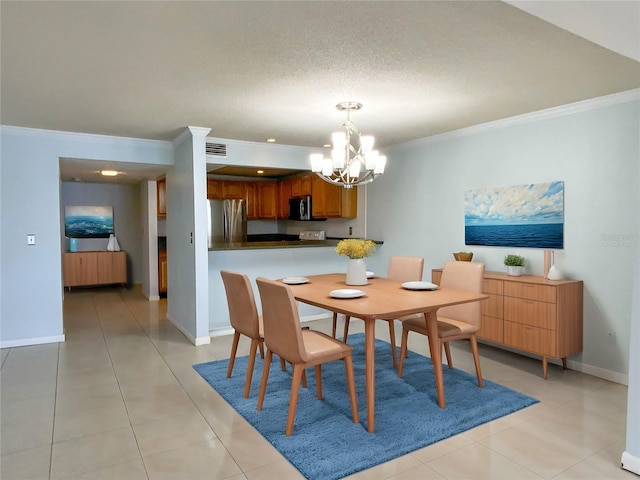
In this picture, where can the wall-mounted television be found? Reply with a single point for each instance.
(88, 222)
(530, 216)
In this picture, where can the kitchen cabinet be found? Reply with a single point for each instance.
(94, 268)
(214, 189)
(253, 200)
(531, 313)
(284, 194)
(162, 271)
(267, 204)
(301, 186)
(161, 185)
(233, 189)
(332, 201)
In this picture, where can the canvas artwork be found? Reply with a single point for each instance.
(88, 222)
(520, 216)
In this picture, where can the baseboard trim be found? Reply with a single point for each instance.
(197, 341)
(25, 342)
(603, 373)
(630, 462)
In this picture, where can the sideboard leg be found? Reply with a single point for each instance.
(544, 367)
(564, 363)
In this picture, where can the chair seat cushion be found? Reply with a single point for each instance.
(447, 327)
(318, 345)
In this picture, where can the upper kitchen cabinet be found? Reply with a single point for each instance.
(214, 189)
(162, 197)
(284, 194)
(252, 200)
(332, 201)
(301, 186)
(232, 189)
(268, 203)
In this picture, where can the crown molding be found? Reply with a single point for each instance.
(554, 112)
(85, 137)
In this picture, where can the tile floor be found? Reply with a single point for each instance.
(120, 400)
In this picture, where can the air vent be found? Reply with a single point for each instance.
(216, 149)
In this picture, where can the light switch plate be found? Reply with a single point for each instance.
(31, 239)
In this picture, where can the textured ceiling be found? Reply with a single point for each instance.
(253, 70)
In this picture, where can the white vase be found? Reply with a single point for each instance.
(356, 272)
(111, 243)
(554, 273)
(514, 271)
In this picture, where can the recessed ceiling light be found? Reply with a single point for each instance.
(260, 172)
(327, 145)
(109, 173)
(271, 140)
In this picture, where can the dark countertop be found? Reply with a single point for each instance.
(330, 242)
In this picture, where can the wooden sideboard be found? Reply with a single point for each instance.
(94, 268)
(531, 313)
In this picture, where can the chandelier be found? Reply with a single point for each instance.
(353, 160)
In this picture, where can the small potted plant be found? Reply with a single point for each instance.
(515, 264)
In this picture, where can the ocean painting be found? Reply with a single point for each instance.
(88, 222)
(529, 216)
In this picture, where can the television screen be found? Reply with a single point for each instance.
(88, 222)
(530, 216)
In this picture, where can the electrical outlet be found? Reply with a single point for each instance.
(350, 230)
(31, 239)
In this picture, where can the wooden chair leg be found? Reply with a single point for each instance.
(283, 364)
(319, 381)
(304, 378)
(232, 356)
(403, 350)
(252, 362)
(261, 345)
(265, 378)
(476, 359)
(345, 334)
(335, 325)
(392, 340)
(447, 352)
(348, 365)
(298, 369)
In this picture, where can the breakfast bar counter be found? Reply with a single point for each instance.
(274, 244)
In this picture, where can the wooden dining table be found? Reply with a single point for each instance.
(384, 298)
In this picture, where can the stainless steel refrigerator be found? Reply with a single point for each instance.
(227, 221)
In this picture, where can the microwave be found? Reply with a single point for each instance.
(300, 208)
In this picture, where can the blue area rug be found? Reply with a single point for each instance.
(326, 444)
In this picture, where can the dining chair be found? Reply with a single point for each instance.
(302, 348)
(244, 318)
(402, 269)
(457, 322)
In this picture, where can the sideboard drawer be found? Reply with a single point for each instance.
(542, 293)
(529, 312)
(489, 285)
(532, 339)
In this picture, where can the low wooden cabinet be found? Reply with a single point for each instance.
(162, 272)
(94, 268)
(531, 313)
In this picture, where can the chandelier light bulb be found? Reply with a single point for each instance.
(316, 162)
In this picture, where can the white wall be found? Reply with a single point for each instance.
(127, 220)
(187, 280)
(417, 206)
(31, 276)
